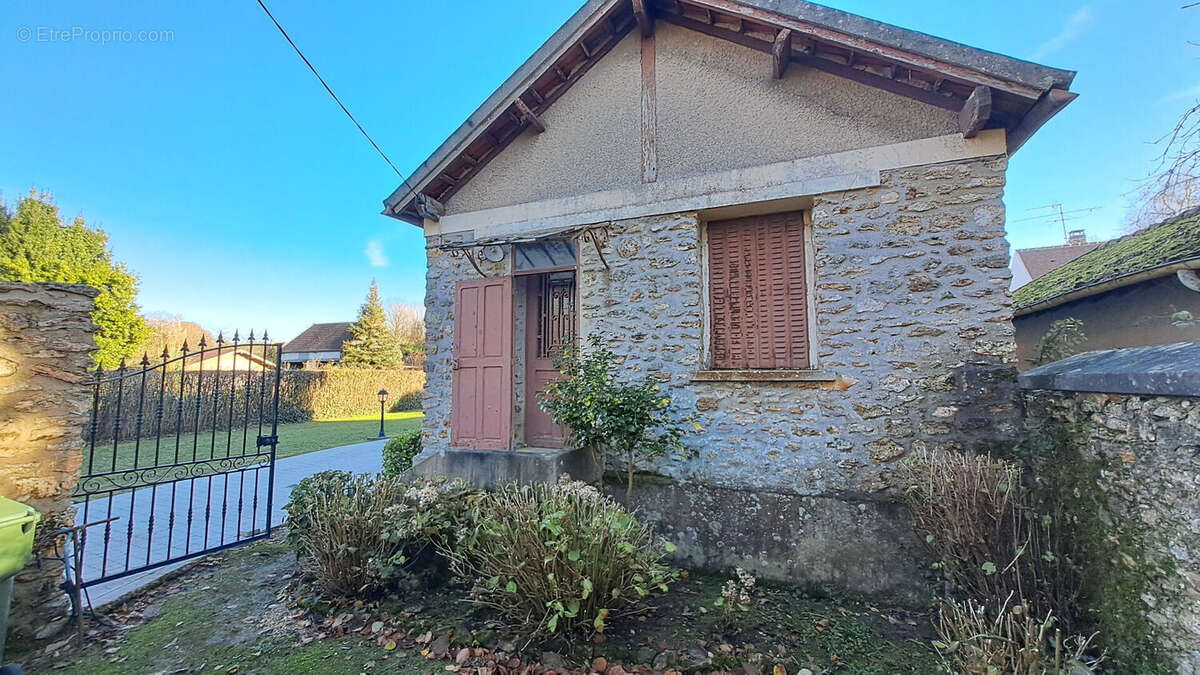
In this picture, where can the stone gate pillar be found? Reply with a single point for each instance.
(45, 339)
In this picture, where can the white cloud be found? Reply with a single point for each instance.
(1076, 24)
(375, 254)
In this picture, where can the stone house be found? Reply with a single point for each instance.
(789, 215)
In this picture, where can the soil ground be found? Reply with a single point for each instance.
(241, 612)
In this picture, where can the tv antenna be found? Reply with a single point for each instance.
(1054, 213)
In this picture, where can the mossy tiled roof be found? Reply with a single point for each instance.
(1168, 242)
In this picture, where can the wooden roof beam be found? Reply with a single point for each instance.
(975, 112)
(1045, 108)
(644, 20)
(529, 116)
(781, 53)
(428, 207)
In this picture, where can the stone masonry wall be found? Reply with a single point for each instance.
(912, 317)
(1149, 448)
(45, 340)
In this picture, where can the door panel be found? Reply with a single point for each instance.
(481, 409)
(549, 324)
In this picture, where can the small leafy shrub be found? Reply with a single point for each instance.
(399, 452)
(601, 413)
(557, 558)
(325, 484)
(976, 641)
(1062, 339)
(366, 535)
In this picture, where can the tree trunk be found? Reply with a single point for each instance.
(629, 478)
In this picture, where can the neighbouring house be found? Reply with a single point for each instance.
(1033, 263)
(239, 360)
(1141, 289)
(789, 215)
(320, 343)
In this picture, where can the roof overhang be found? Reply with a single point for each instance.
(989, 90)
(1108, 285)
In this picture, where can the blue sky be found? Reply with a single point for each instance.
(232, 184)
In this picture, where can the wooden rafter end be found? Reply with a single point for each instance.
(527, 114)
(976, 112)
(781, 53)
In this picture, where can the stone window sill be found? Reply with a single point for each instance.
(763, 376)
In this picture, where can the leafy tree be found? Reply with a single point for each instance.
(605, 415)
(373, 345)
(37, 246)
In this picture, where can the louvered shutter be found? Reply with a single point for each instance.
(759, 293)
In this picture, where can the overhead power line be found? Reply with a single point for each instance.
(333, 95)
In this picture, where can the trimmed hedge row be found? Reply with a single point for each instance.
(349, 392)
(196, 400)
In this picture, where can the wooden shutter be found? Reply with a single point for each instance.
(759, 293)
(482, 383)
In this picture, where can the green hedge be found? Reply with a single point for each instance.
(196, 398)
(350, 392)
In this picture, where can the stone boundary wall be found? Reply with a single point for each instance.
(45, 344)
(1147, 447)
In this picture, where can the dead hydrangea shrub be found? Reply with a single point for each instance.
(994, 550)
(558, 558)
(976, 640)
(363, 536)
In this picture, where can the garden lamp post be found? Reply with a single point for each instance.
(382, 401)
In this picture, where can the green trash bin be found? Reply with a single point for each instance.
(17, 523)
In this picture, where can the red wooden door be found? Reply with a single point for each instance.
(549, 326)
(481, 405)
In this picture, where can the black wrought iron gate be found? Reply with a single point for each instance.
(180, 457)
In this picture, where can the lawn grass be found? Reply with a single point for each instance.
(294, 439)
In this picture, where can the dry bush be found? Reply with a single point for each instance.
(341, 542)
(977, 641)
(363, 536)
(975, 516)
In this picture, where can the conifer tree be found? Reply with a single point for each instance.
(373, 345)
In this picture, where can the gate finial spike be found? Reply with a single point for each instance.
(264, 338)
(166, 353)
(235, 336)
(203, 342)
(252, 335)
(220, 337)
(145, 359)
(184, 349)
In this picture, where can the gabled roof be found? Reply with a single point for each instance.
(938, 72)
(1045, 259)
(1156, 251)
(320, 337)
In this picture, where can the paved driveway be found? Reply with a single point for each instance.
(147, 509)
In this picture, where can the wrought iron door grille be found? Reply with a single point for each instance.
(556, 313)
(180, 457)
